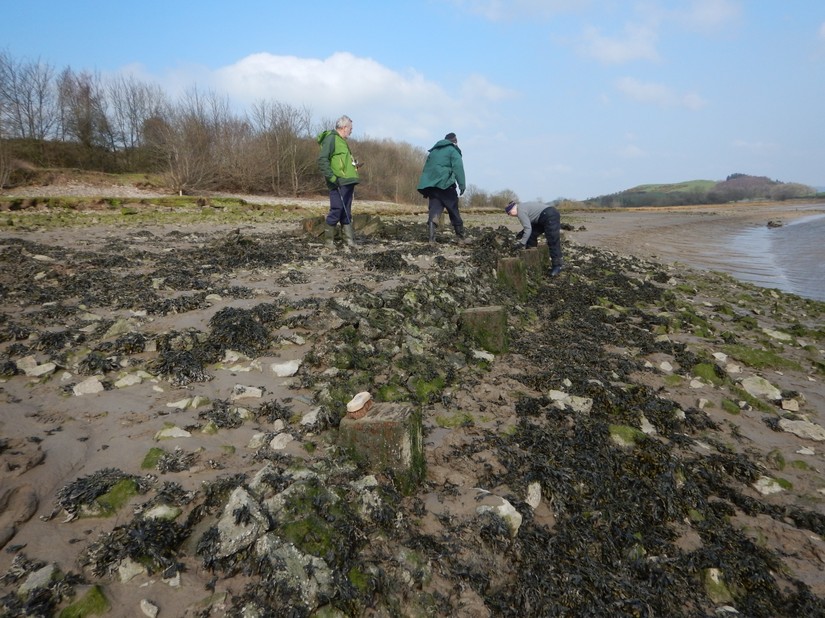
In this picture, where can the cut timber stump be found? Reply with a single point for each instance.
(512, 274)
(388, 437)
(487, 326)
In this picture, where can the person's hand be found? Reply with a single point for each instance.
(518, 246)
(520, 235)
(359, 165)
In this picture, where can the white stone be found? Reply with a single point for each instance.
(162, 511)
(766, 486)
(359, 401)
(733, 368)
(777, 334)
(483, 355)
(806, 450)
(803, 429)
(310, 418)
(702, 403)
(278, 425)
(256, 441)
(172, 432)
(128, 569)
(246, 392)
(666, 367)
(287, 369)
(720, 356)
(758, 386)
(281, 441)
(181, 404)
(533, 495)
(37, 579)
(130, 379)
(647, 427)
(507, 512)
(148, 608)
(89, 386)
(791, 405)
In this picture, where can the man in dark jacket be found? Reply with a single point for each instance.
(538, 218)
(443, 170)
(340, 170)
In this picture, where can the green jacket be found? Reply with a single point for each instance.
(335, 160)
(443, 169)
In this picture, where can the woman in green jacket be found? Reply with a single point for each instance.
(340, 170)
(443, 170)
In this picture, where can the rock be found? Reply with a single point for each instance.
(280, 442)
(758, 386)
(506, 511)
(172, 432)
(246, 392)
(790, 405)
(130, 379)
(766, 486)
(128, 569)
(287, 369)
(533, 495)
(38, 579)
(148, 608)
(236, 535)
(487, 326)
(803, 429)
(89, 386)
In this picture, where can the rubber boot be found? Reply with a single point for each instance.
(459, 231)
(432, 225)
(329, 235)
(555, 269)
(349, 235)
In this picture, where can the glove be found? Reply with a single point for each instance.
(518, 246)
(520, 235)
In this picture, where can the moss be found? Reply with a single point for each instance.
(116, 497)
(673, 379)
(150, 461)
(730, 407)
(390, 393)
(93, 603)
(695, 516)
(752, 401)
(799, 464)
(426, 390)
(760, 358)
(359, 579)
(461, 419)
(784, 483)
(310, 447)
(626, 435)
(707, 371)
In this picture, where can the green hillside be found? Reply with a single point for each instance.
(735, 188)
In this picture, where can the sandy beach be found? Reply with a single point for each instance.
(54, 433)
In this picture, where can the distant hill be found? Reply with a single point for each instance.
(735, 188)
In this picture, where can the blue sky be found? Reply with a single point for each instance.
(549, 98)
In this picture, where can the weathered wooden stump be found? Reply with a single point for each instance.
(512, 274)
(388, 437)
(487, 326)
(537, 261)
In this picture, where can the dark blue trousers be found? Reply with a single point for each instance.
(340, 205)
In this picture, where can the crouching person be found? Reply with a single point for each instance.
(538, 218)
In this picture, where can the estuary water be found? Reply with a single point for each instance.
(790, 258)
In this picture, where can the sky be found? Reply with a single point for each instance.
(549, 98)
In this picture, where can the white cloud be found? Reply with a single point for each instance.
(637, 43)
(711, 15)
(658, 94)
(631, 151)
(500, 10)
(822, 31)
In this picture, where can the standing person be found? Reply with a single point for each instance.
(538, 218)
(443, 170)
(340, 170)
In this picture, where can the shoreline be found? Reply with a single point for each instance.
(640, 344)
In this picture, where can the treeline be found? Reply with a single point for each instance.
(69, 119)
(735, 188)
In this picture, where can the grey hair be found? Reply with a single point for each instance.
(343, 121)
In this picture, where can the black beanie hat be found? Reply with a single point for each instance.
(451, 137)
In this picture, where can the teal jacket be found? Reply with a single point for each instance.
(336, 161)
(443, 169)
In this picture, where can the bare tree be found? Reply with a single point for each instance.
(28, 95)
(132, 103)
(289, 150)
(83, 109)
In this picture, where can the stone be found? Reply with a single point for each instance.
(172, 432)
(391, 436)
(803, 429)
(533, 495)
(148, 608)
(241, 391)
(89, 386)
(758, 386)
(287, 369)
(280, 442)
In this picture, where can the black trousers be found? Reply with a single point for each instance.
(549, 224)
(441, 199)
